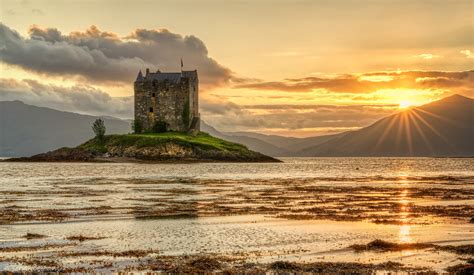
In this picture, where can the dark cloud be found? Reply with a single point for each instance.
(79, 98)
(371, 82)
(228, 116)
(105, 57)
(359, 107)
(220, 108)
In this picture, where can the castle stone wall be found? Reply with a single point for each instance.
(164, 97)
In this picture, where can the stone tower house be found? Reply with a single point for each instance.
(171, 98)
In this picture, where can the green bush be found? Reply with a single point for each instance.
(160, 127)
(137, 127)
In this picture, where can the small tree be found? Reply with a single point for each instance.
(137, 127)
(160, 127)
(99, 129)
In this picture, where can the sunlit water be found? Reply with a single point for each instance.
(266, 210)
(290, 168)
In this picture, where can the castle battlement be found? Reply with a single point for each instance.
(169, 97)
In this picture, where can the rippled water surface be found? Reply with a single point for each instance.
(300, 210)
(290, 168)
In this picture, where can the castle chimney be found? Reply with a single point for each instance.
(147, 72)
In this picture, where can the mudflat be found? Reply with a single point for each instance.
(308, 215)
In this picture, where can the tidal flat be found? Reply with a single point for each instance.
(315, 215)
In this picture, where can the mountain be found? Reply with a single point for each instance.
(27, 130)
(303, 143)
(439, 129)
(272, 145)
(255, 144)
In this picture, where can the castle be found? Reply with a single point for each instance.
(169, 99)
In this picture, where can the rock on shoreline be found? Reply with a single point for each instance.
(165, 147)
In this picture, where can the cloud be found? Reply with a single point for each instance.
(223, 114)
(228, 116)
(467, 53)
(79, 98)
(372, 82)
(104, 57)
(220, 108)
(427, 56)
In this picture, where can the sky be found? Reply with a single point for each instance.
(294, 68)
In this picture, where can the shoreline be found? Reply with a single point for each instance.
(65, 251)
(157, 147)
(134, 160)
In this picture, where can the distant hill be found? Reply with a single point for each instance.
(440, 129)
(27, 130)
(290, 145)
(253, 143)
(272, 145)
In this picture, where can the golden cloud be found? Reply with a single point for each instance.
(460, 82)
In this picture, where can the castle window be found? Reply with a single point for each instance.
(151, 109)
(153, 95)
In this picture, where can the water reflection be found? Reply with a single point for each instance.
(404, 232)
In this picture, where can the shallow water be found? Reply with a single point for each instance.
(304, 209)
(291, 168)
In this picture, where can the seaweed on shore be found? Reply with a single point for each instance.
(462, 269)
(100, 253)
(381, 245)
(82, 238)
(16, 214)
(197, 264)
(385, 246)
(30, 236)
(339, 267)
(467, 249)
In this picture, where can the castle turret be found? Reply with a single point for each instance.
(139, 76)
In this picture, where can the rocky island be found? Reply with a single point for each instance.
(153, 147)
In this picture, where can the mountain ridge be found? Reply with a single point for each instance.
(29, 130)
(442, 128)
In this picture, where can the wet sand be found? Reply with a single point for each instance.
(262, 224)
(191, 198)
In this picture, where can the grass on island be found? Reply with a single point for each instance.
(202, 140)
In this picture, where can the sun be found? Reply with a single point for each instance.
(404, 104)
